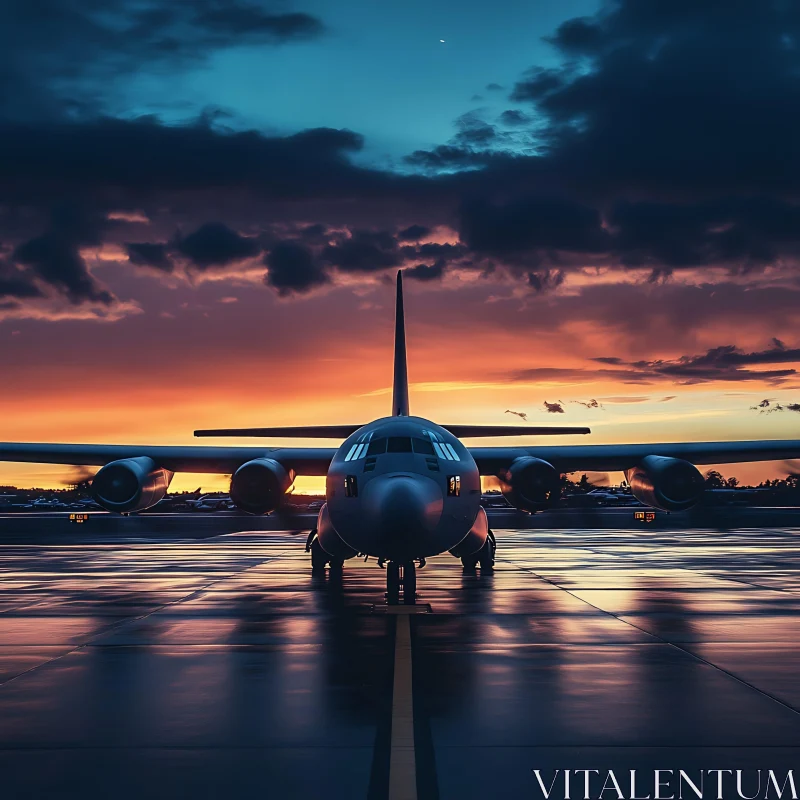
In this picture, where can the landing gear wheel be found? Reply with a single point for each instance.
(392, 583)
(319, 558)
(409, 583)
(486, 553)
(469, 563)
(335, 570)
(312, 534)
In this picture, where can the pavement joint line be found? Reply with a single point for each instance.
(129, 620)
(700, 571)
(402, 763)
(674, 645)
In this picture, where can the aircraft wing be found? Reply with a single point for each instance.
(618, 457)
(303, 460)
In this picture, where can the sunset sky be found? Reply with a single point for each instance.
(203, 206)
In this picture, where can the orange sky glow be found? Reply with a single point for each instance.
(255, 360)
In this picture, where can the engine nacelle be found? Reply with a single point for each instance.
(329, 539)
(476, 537)
(130, 484)
(258, 486)
(670, 484)
(531, 484)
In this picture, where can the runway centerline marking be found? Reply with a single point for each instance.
(402, 760)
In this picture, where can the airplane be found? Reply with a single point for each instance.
(400, 488)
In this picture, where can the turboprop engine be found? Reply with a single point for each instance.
(258, 486)
(531, 484)
(670, 484)
(130, 484)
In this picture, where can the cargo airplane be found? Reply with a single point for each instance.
(400, 488)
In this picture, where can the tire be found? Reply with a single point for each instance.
(392, 583)
(469, 563)
(310, 540)
(486, 553)
(319, 558)
(409, 584)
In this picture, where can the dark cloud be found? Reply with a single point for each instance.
(588, 404)
(413, 233)
(57, 261)
(531, 223)
(314, 234)
(364, 251)
(142, 160)
(446, 157)
(554, 408)
(437, 250)
(712, 86)
(546, 279)
(150, 254)
(494, 87)
(664, 139)
(514, 117)
(54, 257)
(292, 269)
(425, 272)
(769, 406)
(58, 45)
(673, 127)
(15, 284)
(725, 363)
(473, 131)
(736, 232)
(216, 245)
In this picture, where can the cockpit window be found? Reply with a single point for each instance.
(430, 445)
(423, 446)
(399, 444)
(442, 448)
(376, 447)
(359, 449)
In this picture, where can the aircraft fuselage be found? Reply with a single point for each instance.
(402, 488)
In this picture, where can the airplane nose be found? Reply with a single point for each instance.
(403, 511)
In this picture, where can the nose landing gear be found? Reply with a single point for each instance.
(401, 576)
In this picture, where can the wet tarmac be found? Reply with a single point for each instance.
(190, 659)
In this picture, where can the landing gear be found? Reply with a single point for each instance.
(484, 556)
(319, 558)
(392, 583)
(401, 577)
(409, 580)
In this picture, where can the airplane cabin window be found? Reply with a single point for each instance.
(351, 486)
(399, 444)
(423, 446)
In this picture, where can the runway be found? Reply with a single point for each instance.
(152, 658)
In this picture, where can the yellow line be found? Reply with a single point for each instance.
(402, 763)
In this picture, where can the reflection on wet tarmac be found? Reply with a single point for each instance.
(218, 667)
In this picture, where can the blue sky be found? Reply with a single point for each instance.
(380, 70)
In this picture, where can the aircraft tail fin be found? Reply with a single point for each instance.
(400, 382)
